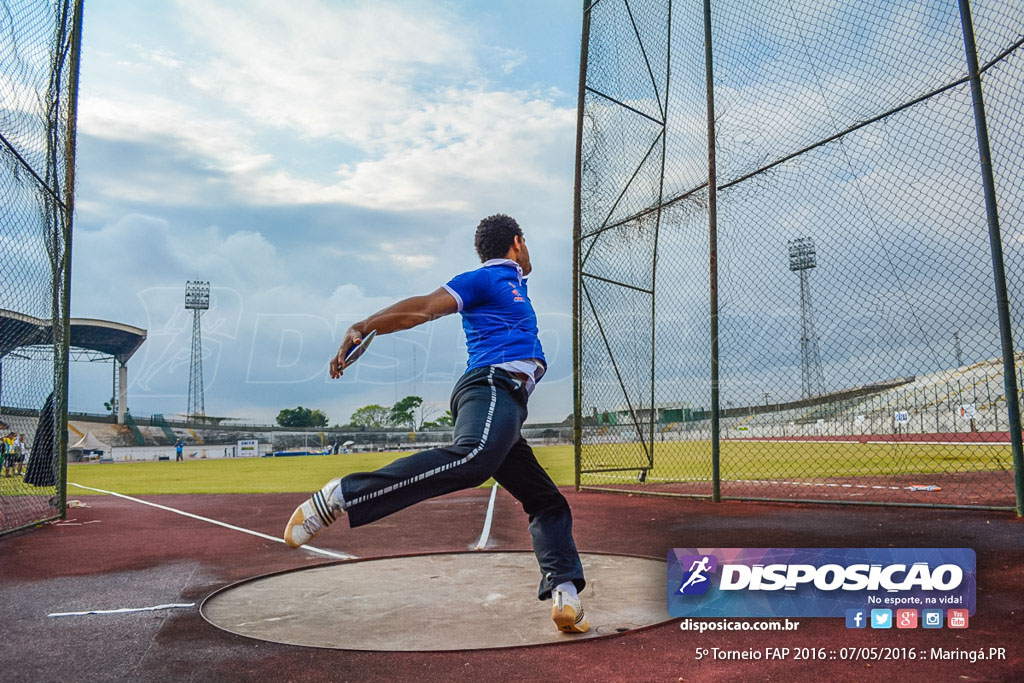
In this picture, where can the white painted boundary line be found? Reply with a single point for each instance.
(123, 610)
(874, 442)
(759, 481)
(312, 549)
(485, 534)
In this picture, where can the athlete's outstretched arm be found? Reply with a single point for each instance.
(399, 316)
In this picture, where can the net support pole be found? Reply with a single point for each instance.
(577, 231)
(716, 479)
(70, 142)
(996, 245)
(657, 234)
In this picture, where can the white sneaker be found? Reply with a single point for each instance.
(567, 613)
(314, 515)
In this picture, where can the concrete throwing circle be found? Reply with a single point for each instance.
(455, 601)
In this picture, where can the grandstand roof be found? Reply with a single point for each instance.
(103, 336)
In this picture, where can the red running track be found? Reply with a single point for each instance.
(118, 553)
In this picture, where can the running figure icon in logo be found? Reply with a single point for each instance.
(700, 566)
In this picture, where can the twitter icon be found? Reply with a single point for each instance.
(881, 618)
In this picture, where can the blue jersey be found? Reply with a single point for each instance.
(497, 314)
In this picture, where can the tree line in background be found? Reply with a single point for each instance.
(404, 413)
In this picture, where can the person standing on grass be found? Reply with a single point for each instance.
(178, 451)
(14, 455)
(488, 405)
(4, 448)
(19, 452)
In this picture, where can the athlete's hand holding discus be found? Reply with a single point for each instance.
(405, 314)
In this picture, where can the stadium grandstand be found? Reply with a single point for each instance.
(153, 438)
(24, 338)
(964, 404)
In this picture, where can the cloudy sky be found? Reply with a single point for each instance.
(319, 161)
(315, 161)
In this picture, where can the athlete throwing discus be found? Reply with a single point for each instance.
(488, 405)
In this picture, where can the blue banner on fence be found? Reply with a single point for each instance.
(817, 582)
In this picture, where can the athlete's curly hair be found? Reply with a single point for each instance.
(495, 235)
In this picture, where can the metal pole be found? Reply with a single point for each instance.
(959, 394)
(122, 389)
(990, 404)
(577, 231)
(113, 391)
(716, 479)
(805, 359)
(996, 245)
(70, 141)
(657, 232)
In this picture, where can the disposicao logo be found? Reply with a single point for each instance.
(696, 580)
(817, 582)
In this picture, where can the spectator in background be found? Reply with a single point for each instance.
(178, 451)
(14, 454)
(5, 447)
(19, 454)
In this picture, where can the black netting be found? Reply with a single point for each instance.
(38, 71)
(859, 344)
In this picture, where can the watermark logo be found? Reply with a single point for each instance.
(931, 618)
(856, 618)
(821, 582)
(697, 580)
(881, 618)
(957, 618)
(906, 618)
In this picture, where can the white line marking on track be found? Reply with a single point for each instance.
(487, 520)
(310, 548)
(758, 481)
(123, 610)
(876, 442)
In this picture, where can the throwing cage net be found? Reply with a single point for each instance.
(39, 48)
(799, 242)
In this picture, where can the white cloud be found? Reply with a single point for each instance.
(408, 255)
(324, 70)
(399, 86)
(19, 96)
(473, 145)
(136, 117)
(163, 58)
(510, 59)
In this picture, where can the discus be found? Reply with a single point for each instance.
(359, 350)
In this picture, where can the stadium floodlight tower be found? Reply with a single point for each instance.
(803, 259)
(197, 300)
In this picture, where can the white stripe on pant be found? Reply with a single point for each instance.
(437, 470)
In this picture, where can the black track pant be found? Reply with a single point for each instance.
(489, 407)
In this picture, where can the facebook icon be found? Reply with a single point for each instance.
(856, 618)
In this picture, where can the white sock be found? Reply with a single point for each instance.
(332, 493)
(569, 588)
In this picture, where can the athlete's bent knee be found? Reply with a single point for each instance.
(553, 503)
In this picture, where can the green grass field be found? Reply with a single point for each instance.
(796, 460)
(741, 460)
(257, 475)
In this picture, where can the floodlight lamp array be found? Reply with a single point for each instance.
(802, 254)
(197, 295)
